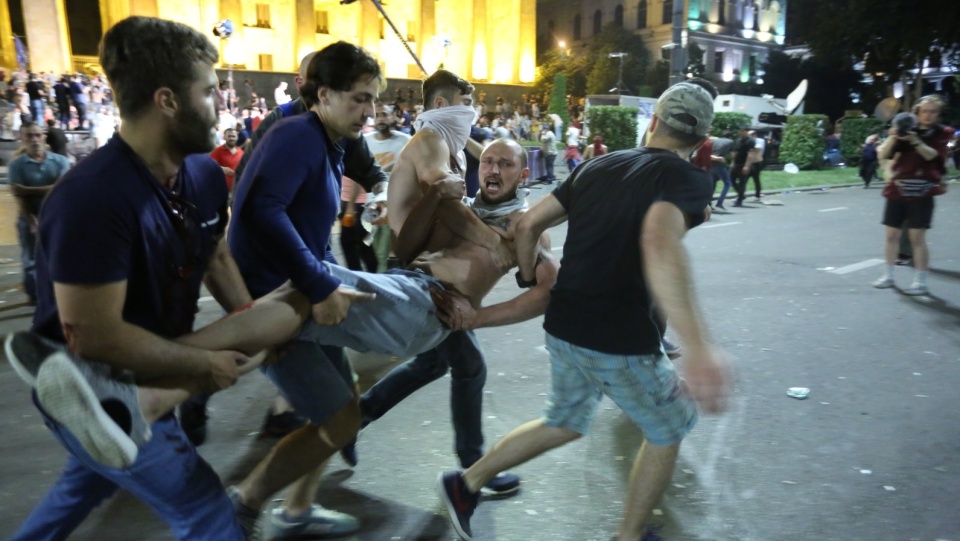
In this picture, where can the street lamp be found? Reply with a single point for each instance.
(619, 88)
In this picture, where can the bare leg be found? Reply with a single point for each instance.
(921, 254)
(299, 454)
(652, 471)
(301, 494)
(272, 320)
(523, 443)
(891, 245)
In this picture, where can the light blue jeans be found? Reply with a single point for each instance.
(401, 321)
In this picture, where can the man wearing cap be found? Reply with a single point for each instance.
(634, 205)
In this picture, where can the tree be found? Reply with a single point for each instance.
(604, 71)
(558, 99)
(890, 38)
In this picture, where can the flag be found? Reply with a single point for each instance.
(22, 57)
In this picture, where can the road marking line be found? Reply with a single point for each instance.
(857, 266)
(719, 225)
(833, 209)
(557, 249)
(205, 299)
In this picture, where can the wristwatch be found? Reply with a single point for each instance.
(525, 283)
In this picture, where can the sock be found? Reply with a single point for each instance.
(920, 277)
(889, 272)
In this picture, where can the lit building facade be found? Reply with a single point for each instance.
(482, 40)
(735, 35)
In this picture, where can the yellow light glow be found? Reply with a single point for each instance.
(764, 36)
(562, 44)
(713, 28)
(528, 68)
(479, 61)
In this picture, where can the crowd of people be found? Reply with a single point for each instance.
(422, 191)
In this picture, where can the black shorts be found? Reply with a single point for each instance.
(914, 213)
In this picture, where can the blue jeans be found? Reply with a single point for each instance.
(459, 353)
(28, 249)
(37, 108)
(168, 475)
(721, 172)
(548, 161)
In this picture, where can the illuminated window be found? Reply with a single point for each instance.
(323, 22)
(597, 22)
(576, 28)
(618, 15)
(667, 12)
(266, 62)
(642, 14)
(263, 15)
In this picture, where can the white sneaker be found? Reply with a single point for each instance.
(883, 283)
(916, 290)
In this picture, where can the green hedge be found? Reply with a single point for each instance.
(804, 141)
(855, 131)
(617, 126)
(558, 99)
(727, 124)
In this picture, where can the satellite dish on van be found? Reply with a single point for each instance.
(794, 99)
(887, 109)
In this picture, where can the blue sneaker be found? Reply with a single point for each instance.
(460, 502)
(501, 485)
(317, 522)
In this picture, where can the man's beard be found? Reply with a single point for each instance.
(193, 133)
(502, 198)
(385, 130)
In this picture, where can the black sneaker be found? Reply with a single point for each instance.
(349, 453)
(193, 421)
(501, 485)
(278, 425)
(460, 502)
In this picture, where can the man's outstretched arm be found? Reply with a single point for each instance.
(547, 213)
(667, 271)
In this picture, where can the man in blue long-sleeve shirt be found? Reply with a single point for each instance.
(284, 208)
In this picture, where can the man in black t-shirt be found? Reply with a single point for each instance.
(628, 212)
(36, 94)
(745, 155)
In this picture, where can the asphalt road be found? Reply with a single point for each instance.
(872, 454)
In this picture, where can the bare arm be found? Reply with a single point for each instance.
(668, 275)
(532, 302)
(224, 281)
(92, 319)
(547, 213)
(474, 148)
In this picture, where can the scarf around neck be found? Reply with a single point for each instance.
(487, 212)
(452, 124)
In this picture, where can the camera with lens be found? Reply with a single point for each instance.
(905, 123)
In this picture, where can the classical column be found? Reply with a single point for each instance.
(47, 36)
(428, 29)
(8, 52)
(114, 11)
(479, 62)
(306, 30)
(527, 51)
(145, 8)
(370, 28)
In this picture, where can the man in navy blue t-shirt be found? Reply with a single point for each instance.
(124, 241)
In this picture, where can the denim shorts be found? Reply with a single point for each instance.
(401, 321)
(645, 387)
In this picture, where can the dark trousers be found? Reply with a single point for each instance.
(548, 161)
(81, 114)
(460, 353)
(739, 181)
(755, 175)
(357, 253)
(868, 171)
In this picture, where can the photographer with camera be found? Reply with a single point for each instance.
(918, 146)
